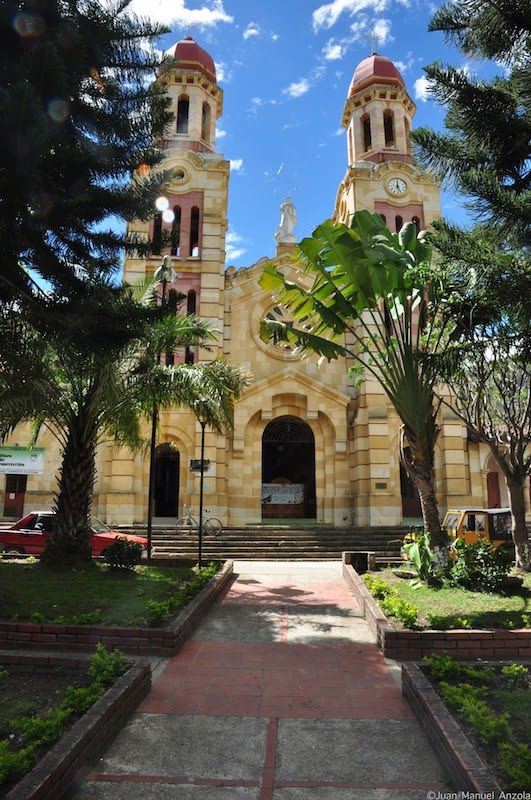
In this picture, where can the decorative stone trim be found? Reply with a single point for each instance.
(457, 754)
(88, 736)
(142, 641)
(414, 645)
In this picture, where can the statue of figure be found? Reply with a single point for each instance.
(288, 220)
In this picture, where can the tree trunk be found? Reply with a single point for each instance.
(70, 542)
(432, 522)
(516, 488)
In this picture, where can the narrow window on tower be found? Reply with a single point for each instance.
(398, 223)
(383, 217)
(194, 232)
(408, 140)
(389, 128)
(416, 221)
(183, 112)
(366, 131)
(190, 309)
(205, 123)
(176, 232)
(157, 233)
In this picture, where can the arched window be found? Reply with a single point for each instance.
(205, 123)
(366, 131)
(416, 220)
(157, 233)
(176, 232)
(194, 232)
(398, 223)
(191, 304)
(183, 112)
(383, 217)
(389, 128)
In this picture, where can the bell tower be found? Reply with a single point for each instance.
(382, 176)
(190, 221)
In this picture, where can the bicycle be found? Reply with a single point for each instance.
(211, 526)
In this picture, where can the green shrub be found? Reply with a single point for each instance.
(516, 763)
(515, 675)
(160, 611)
(468, 702)
(442, 666)
(377, 587)
(478, 567)
(420, 554)
(13, 765)
(402, 610)
(390, 601)
(123, 554)
(106, 666)
(445, 623)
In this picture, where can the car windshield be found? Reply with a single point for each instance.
(451, 522)
(98, 526)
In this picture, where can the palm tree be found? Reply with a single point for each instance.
(377, 291)
(99, 383)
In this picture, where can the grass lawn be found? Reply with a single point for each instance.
(31, 592)
(474, 609)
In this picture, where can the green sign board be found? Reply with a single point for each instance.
(22, 460)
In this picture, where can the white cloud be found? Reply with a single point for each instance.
(220, 133)
(252, 29)
(232, 240)
(223, 72)
(339, 132)
(382, 31)
(421, 87)
(406, 65)
(298, 88)
(176, 12)
(236, 165)
(275, 37)
(328, 14)
(332, 52)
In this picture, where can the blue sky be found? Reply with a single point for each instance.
(285, 67)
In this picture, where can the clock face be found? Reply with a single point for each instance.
(397, 186)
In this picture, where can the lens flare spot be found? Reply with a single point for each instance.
(168, 215)
(58, 109)
(162, 203)
(28, 24)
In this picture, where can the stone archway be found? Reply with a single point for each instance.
(288, 461)
(166, 491)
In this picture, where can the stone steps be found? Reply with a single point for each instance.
(283, 543)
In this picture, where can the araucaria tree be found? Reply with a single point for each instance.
(80, 112)
(98, 385)
(371, 296)
(485, 154)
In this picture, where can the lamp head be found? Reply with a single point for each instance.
(165, 272)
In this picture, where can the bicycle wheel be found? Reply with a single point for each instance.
(213, 526)
(183, 522)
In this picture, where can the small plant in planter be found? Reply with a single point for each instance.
(122, 554)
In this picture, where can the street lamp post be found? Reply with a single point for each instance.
(200, 408)
(163, 275)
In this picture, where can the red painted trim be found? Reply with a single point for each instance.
(268, 773)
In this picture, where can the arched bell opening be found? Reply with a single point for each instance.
(288, 470)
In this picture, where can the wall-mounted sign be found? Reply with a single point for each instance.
(281, 494)
(195, 465)
(22, 460)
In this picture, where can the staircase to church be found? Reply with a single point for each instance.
(272, 543)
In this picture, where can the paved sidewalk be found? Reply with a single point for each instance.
(281, 694)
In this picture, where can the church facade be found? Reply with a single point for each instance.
(306, 443)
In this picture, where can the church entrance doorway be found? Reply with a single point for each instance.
(166, 492)
(288, 470)
(411, 508)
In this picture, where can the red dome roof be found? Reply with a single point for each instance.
(188, 53)
(375, 69)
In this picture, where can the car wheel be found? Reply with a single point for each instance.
(14, 551)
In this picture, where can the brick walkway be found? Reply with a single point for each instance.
(280, 695)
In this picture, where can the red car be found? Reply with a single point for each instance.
(30, 533)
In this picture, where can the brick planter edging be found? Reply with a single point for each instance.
(142, 641)
(462, 644)
(88, 736)
(457, 754)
